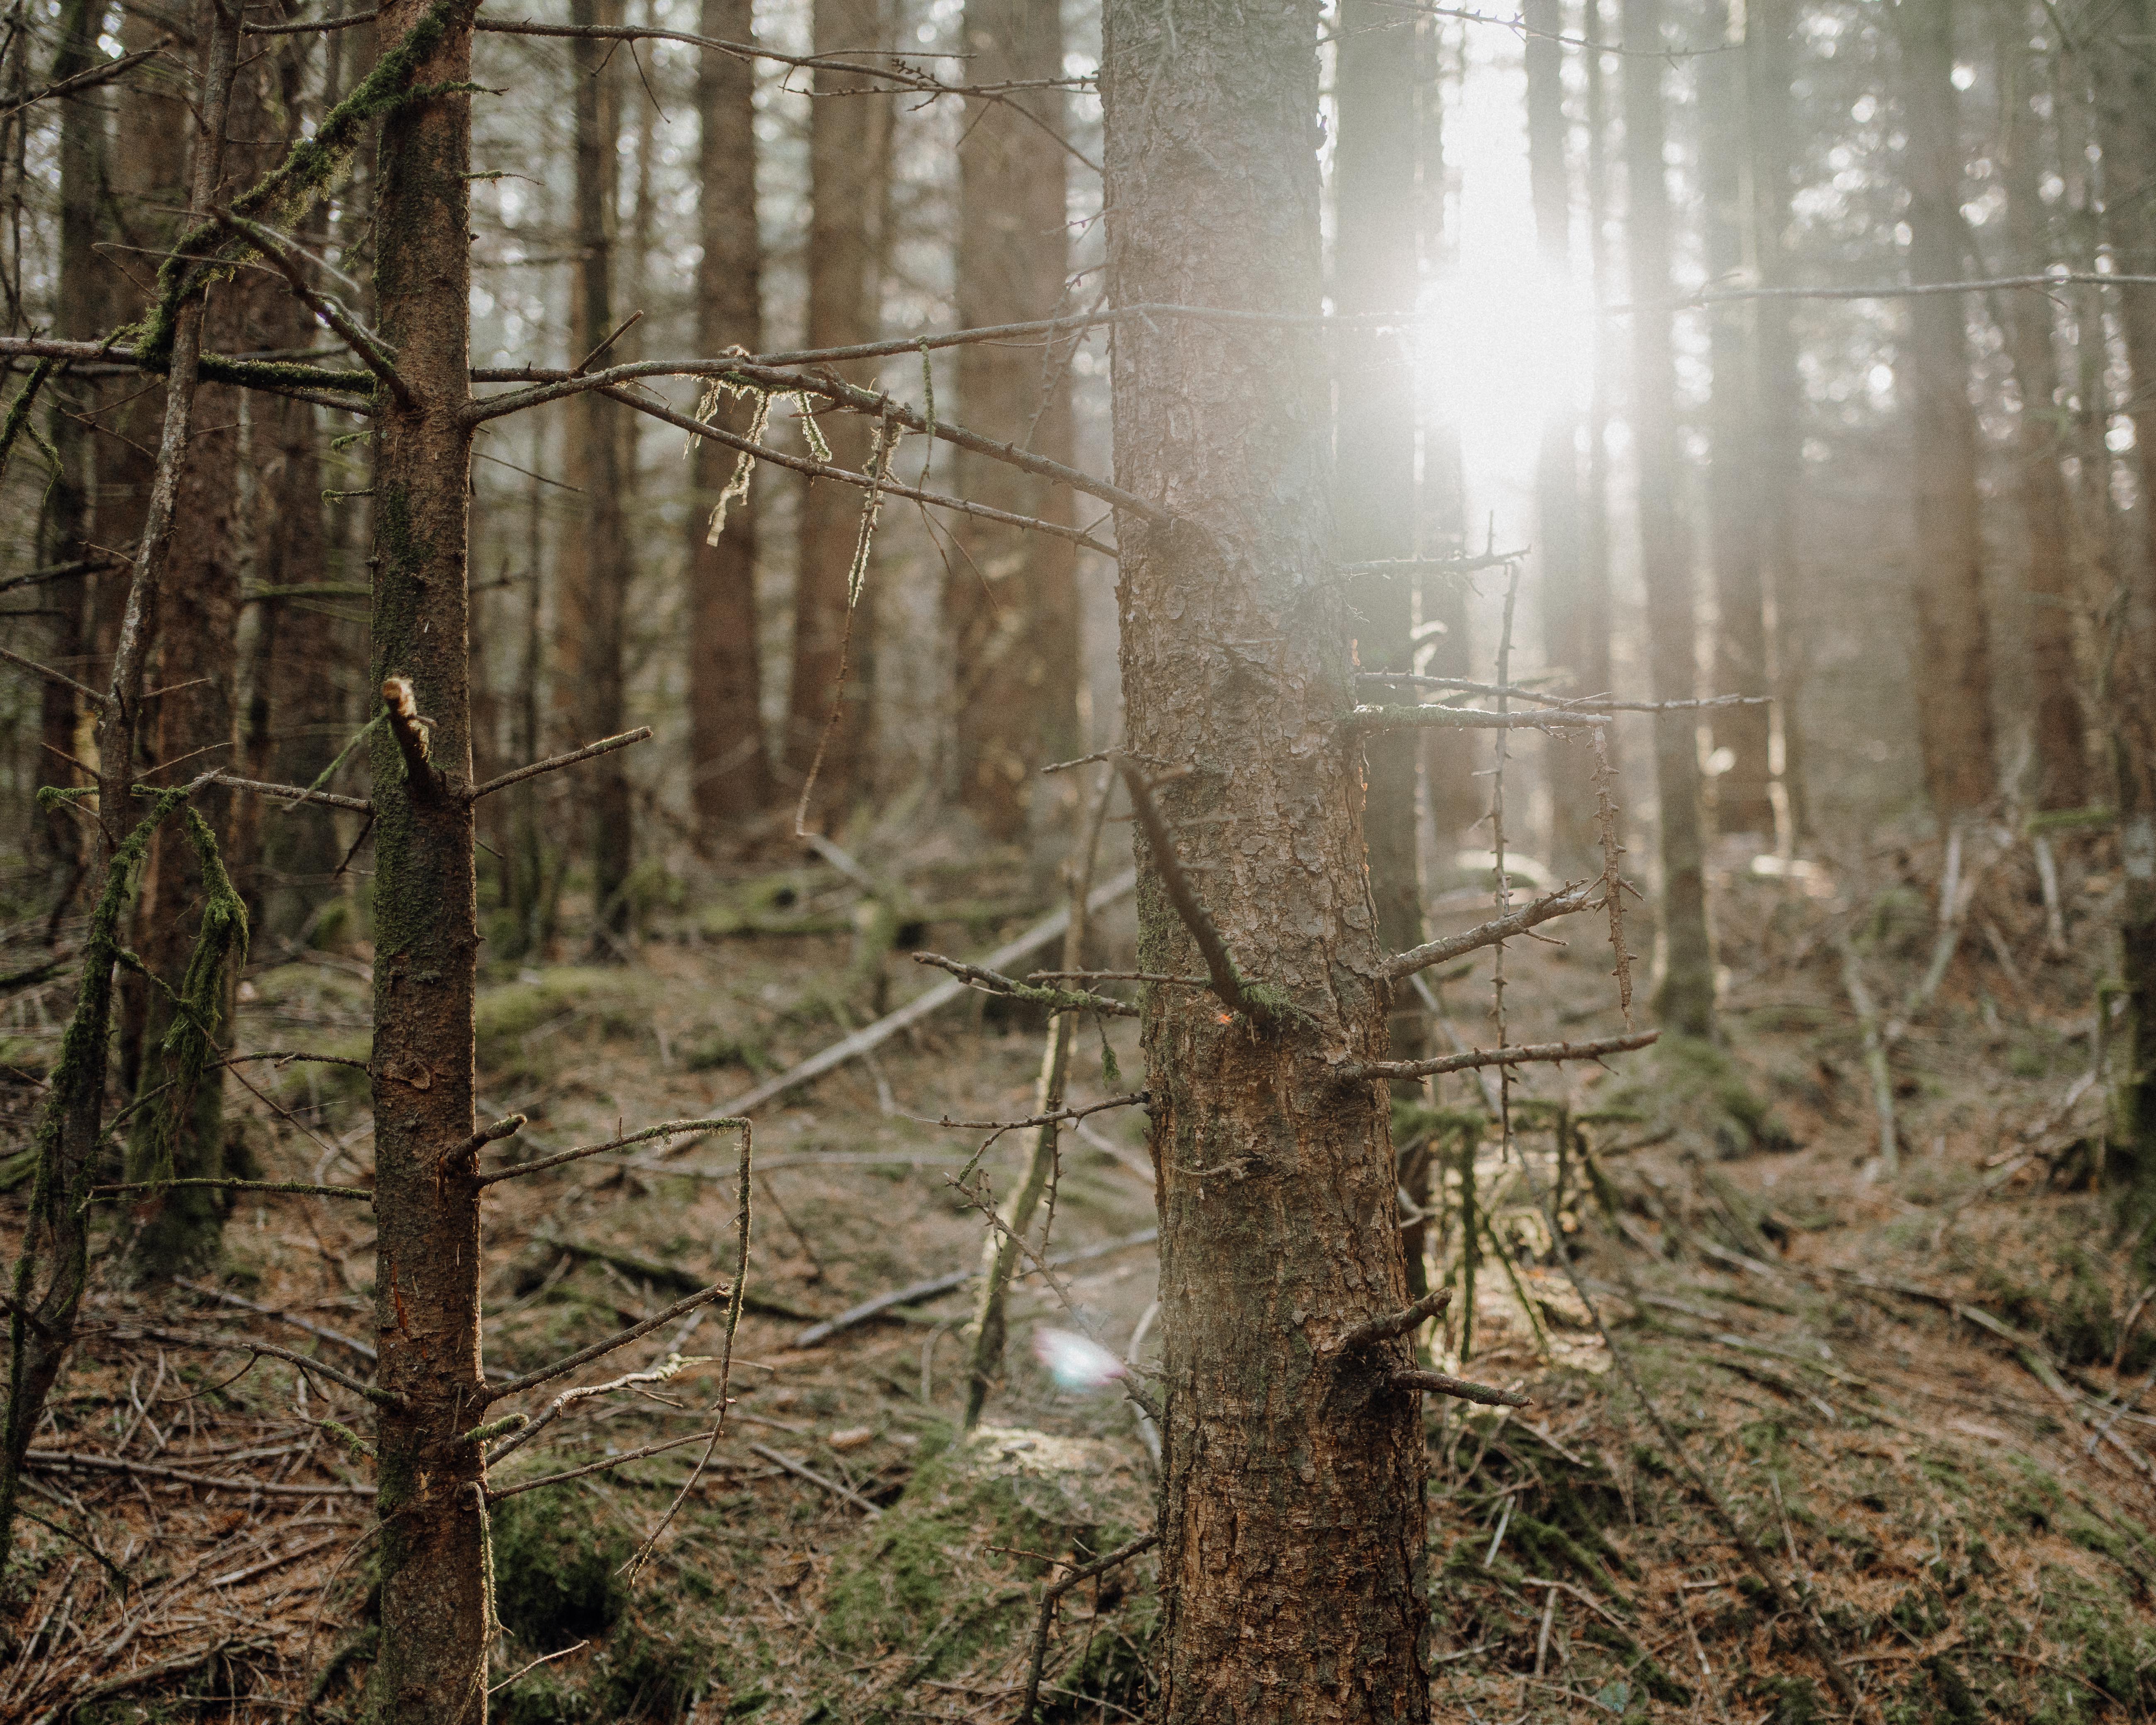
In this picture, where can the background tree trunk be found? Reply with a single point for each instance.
(847, 166)
(1951, 670)
(431, 1666)
(1685, 997)
(1011, 601)
(730, 769)
(1374, 269)
(597, 563)
(1742, 790)
(1291, 1541)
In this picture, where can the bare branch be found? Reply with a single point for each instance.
(802, 1470)
(90, 77)
(361, 1194)
(1587, 704)
(201, 1291)
(1115, 976)
(1466, 1389)
(669, 1129)
(1450, 566)
(50, 676)
(1136, 1099)
(249, 1344)
(1373, 1330)
(293, 792)
(62, 1459)
(990, 982)
(621, 1338)
(554, 763)
(371, 353)
(1561, 903)
(1055, 1591)
(1519, 1055)
(495, 1494)
(1366, 719)
(1227, 982)
(819, 470)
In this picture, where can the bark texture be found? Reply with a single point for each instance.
(849, 144)
(730, 778)
(1011, 602)
(596, 566)
(1374, 269)
(432, 1663)
(1951, 669)
(1293, 1534)
(1685, 996)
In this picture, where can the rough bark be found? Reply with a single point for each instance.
(2063, 774)
(1685, 994)
(596, 565)
(1742, 791)
(1777, 394)
(1565, 616)
(729, 768)
(432, 1663)
(1374, 269)
(1011, 601)
(1292, 1531)
(848, 166)
(1951, 669)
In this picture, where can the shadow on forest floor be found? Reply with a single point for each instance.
(1918, 1390)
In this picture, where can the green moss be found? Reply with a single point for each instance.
(556, 1567)
(1699, 1091)
(608, 1002)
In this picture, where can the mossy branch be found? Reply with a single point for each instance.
(220, 944)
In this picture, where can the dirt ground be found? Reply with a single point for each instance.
(1914, 1394)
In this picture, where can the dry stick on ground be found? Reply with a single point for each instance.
(1055, 1591)
(802, 1471)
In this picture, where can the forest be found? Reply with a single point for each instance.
(1231, 862)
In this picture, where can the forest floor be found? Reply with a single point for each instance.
(1915, 1393)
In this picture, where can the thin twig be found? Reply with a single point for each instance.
(554, 763)
(293, 793)
(1522, 1054)
(1466, 1390)
(1561, 903)
(671, 1128)
(1056, 1000)
(802, 1471)
(1056, 1591)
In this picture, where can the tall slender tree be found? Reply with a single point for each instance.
(1951, 670)
(1742, 798)
(2062, 750)
(729, 766)
(597, 564)
(1292, 1539)
(834, 624)
(1685, 996)
(1375, 269)
(1011, 601)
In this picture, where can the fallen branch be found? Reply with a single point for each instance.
(248, 1344)
(1875, 1054)
(54, 1460)
(1519, 1054)
(665, 1275)
(916, 1293)
(874, 1036)
(802, 1470)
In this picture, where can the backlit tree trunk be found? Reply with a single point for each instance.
(1292, 1536)
(729, 767)
(431, 1666)
(1374, 269)
(1011, 603)
(1684, 998)
(1951, 670)
(847, 165)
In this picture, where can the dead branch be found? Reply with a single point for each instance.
(921, 1291)
(89, 78)
(1520, 1055)
(1115, 976)
(554, 763)
(862, 1041)
(668, 1129)
(1450, 566)
(364, 1194)
(293, 792)
(1465, 1389)
(364, 1350)
(1056, 1591)
(620, 1338)
(1612, 886)
(1373, 1330)
(57, 1460)
(1585, 704)
(50, 676)
(990, 982)
(495, 1494)
(802, 1471)
(1562, 903)
(370, 351)
(1227, 982)
(1136, 1099)
(820, 470)
(1363, 719)
(249, 1344)
(666, 1370)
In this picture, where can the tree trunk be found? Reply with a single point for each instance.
(1374, 269)
(1951, 669)
(1742, 798)
(2063, 774)
(730, 769)
(596, 566)
(1292, 1533)
(1592, 669)
(1557, 463)
(1685, 996)
(834, 658)
(1011, 602)
(432, 1663)
(1770, 27)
